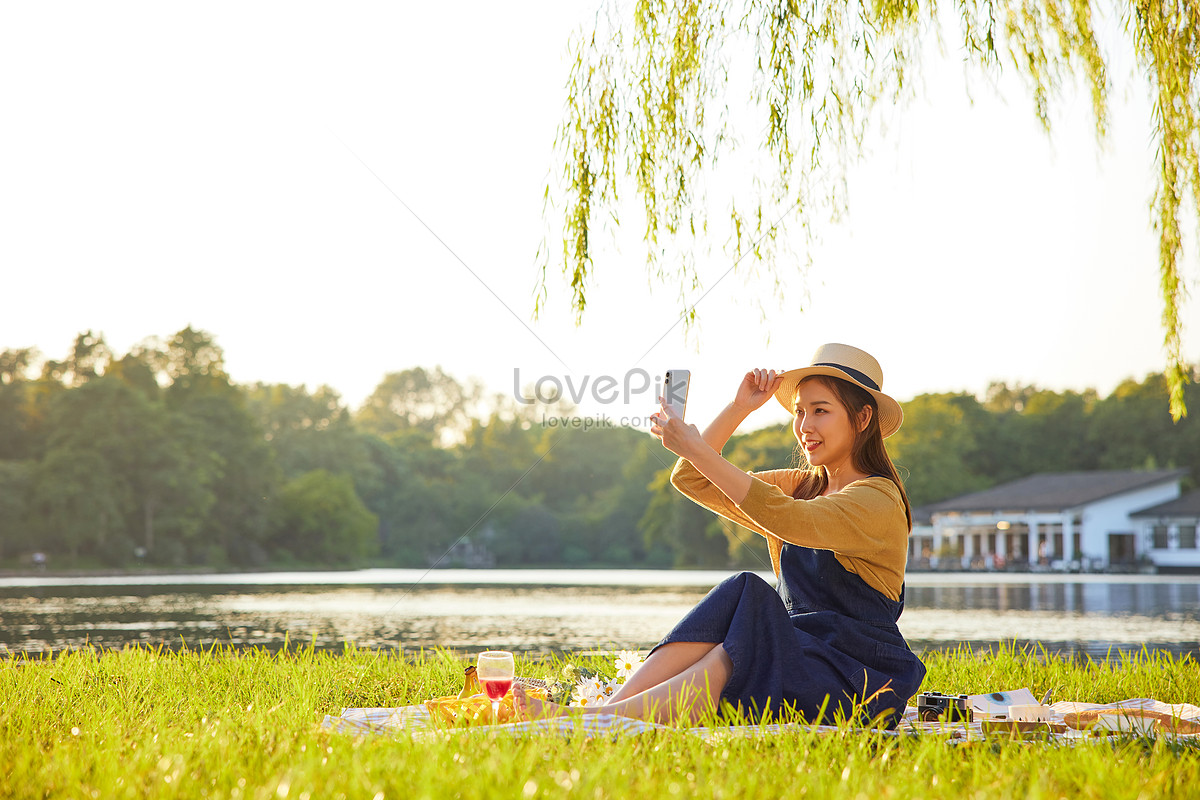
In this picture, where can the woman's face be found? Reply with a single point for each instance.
(823, 426)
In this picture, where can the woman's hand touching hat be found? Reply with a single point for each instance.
(757, 387)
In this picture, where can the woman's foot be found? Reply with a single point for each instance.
(534, 708)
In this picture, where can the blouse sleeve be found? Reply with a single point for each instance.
(692, 484)
(864, 520)
(864, 525)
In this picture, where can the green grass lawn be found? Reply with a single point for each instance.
(228, 724)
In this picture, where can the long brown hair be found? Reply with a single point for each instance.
(867, 453)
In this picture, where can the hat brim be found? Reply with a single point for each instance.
(891, 416)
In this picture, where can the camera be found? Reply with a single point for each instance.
(934, 706)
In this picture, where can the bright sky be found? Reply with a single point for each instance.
(232, 166)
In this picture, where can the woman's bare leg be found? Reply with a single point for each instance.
(663, 664)
(683, 697)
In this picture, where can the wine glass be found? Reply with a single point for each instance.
(495, 671)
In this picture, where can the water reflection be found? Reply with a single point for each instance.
(1145, 599)
(1071, 618)
(1066, 616)
(534, 619)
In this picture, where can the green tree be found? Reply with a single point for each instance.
(314, 430)
(1129, 430)
(580, 464)
(140, 369)
(676, 527)
(626, 503)
(16, 363)
(419, 400)
(306, 430)
(585, 476)
(16, 483)
(240, 470)
(524, 534)
(79, 505)
(1003, 446)
(155, 492)
(219, 433)
(18, 437)
(24, 404)
(505, 454)
(386, 481)
(89, 358)
(650, 95)
(1059, 424)
(932, 448)
(170, 479)
(773, 447)
(319, 518)
(192, 361)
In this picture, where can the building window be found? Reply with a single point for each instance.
(1187, 536)
(1158, 537)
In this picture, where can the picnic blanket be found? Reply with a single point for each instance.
(416, 720)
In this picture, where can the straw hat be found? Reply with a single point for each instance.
(849, 364)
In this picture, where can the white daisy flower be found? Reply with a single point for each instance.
(588, 692)
(627, 663)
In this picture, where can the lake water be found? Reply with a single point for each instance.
(545, 611)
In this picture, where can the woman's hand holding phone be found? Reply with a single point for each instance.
(666, 425)
(675, 434)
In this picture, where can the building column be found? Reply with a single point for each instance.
(1033, 540)
(968, 548)
(934, 557)
(1068, 529)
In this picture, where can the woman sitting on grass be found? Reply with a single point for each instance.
(824, 644)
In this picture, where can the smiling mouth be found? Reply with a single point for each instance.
(810, 446)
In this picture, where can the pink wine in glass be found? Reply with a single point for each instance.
(496, 670)
(497, 689)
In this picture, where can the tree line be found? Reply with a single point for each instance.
(157, 456)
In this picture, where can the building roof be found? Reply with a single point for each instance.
(922, 516)
(1056, 491)
(1186, 506)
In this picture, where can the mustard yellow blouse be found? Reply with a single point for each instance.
(864, 524)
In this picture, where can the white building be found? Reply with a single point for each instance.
(1067, 520)
(1169, 533)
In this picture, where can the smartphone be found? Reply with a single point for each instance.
(675, 391)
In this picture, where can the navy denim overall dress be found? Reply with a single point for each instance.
(824, 644)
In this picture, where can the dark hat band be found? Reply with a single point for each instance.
(861, 377)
